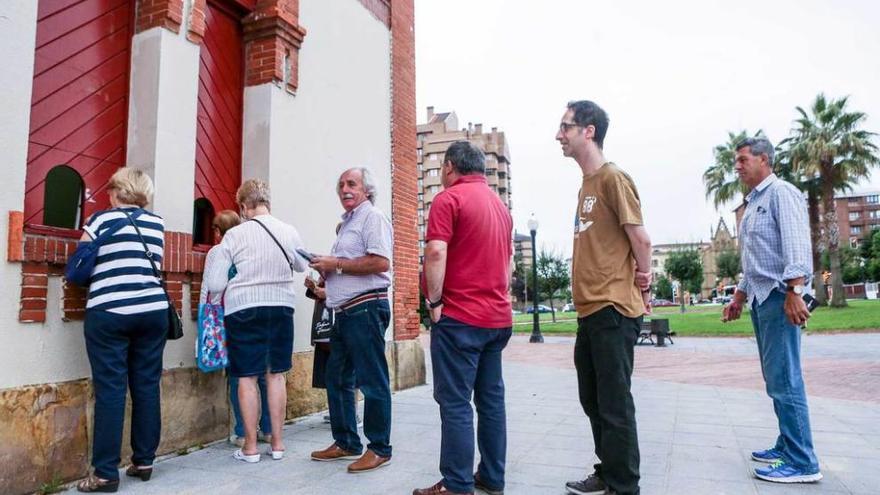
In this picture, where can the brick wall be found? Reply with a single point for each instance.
(381, 9)
(273, 36)
(159, 13)
(44, 253)
(404, 201)
(196, 31)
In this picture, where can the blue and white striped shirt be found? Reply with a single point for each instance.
(774, 239)
(123, 281)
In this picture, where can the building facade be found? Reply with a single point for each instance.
(200, 94)
(434, 138)
(721, 240)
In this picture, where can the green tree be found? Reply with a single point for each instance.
(720, 179)
(663, 288)
(686, 267)
(850, 264)
(728, 264)
(553, 277)
(828, 143)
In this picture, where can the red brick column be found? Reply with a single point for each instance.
(156, 13)
(381, 9)
(197, 25)
(273, 36)
(404, 200)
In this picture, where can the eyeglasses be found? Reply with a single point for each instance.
(565, 126)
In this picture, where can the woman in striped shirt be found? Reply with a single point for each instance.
(125, 331)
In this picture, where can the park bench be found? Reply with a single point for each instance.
(656, 327)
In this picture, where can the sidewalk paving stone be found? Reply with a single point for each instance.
(695, 433)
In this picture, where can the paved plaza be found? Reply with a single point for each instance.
(701, 410)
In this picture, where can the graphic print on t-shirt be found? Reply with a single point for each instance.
(581, 222)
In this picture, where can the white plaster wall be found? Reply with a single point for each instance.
(34, 352)
(162, 120)
(339, 118)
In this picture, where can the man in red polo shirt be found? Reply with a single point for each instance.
(467, 274)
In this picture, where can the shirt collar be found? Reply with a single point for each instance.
(760, 187)
(465, 179)
(349, 214)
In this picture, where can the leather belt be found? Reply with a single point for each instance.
(372, 295)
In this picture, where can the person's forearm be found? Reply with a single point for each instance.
(435, 271)
(640, 243)
(364, 265)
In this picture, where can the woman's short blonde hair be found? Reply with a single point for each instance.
(132, 186)
(252, 193)
(225, 220)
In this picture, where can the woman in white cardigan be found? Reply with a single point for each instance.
(259, 305)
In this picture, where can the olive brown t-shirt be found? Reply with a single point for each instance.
(603, 267)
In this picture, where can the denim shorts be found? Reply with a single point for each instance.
(259, 340)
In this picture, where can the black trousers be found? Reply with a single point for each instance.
(603, 357)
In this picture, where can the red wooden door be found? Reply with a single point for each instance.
(79, 108)
(221, 93)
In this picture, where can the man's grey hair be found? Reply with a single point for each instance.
(758, 146)
(368, 180)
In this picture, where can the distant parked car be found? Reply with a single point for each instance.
(568, 307)
(541, 309)
(517, 312)
(659, 303)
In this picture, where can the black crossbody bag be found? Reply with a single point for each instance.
(289, 263)
(175, 326)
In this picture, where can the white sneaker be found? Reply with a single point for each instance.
(241, 456)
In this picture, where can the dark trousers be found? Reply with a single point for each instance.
(125, 350)
(466, 361)
(603, 357)
(357, 358)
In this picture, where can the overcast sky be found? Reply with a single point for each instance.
(674, 77)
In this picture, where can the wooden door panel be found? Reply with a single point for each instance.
(79, 106)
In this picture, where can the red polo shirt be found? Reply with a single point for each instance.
(477, 227)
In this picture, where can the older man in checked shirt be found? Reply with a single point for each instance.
(776, 262)
(357, 279)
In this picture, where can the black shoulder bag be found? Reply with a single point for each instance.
(175, 326)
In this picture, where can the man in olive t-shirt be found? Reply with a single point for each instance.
(611, 280)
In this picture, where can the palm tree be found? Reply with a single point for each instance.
(828, 144)
(722, 183)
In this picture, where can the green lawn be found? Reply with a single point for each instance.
(706, 320)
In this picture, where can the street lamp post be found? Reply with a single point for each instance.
(536, 326)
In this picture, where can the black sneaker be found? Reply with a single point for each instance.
(478, 484)
(593, 485)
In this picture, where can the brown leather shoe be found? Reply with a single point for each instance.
(333, 453)
(437, 489)
(368, 462)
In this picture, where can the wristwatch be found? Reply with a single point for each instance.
(435, 305)
(797, 289)
(338, 267)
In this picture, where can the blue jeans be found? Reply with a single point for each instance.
(357, 358)
(125, 351)
(265, 421)
(779, 347)
(466, 361)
